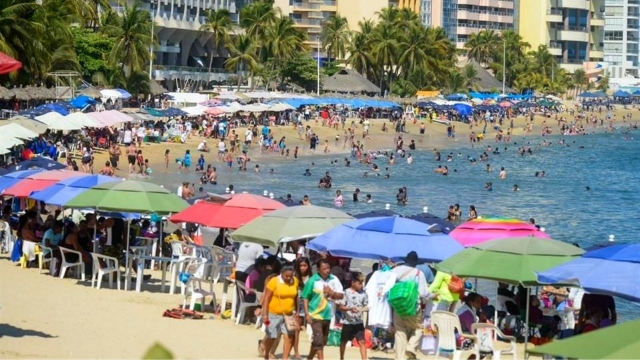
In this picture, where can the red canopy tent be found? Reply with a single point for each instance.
(8, 64)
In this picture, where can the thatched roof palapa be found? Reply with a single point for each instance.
(20, 93)
(348, 81)
(486, 81)
(156, 89)
(91, 92)
(4, 93)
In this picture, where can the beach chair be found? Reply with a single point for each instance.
(446, 324)
(42, 259)
(112, 266)
(223, 263)
(178, 254)
(486, 338)
(193, 286)
(79, 264)
(243, 305)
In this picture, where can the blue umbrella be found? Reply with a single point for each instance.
(173, 112)
(375, 213)
(431, 220)
(82, 101)
(463, 109)
(124, 94)
(611, 270)
(12, 178)
(385, 238)
(66, 190)
(3, 171)
(37, 162)
(54, 107)
(32, 113)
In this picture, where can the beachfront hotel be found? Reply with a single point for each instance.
(622, 42)
(573, 30)
(461, 18)
(183, 52)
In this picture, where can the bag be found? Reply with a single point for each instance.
(334, 337)
(456, 285)
(191, 228)
(290, 323)
(403, 297)
(16, 252)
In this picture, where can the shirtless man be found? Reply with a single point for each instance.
(187, 192)
(132, 152)
(503, 173)
(107, 170)
(213, 177)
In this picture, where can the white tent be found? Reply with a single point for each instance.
(17, 131)
(255, 107)
(195, 110)
(8, 141)
(187, 98)
(280, 107)
(82, 119)
(49, 117)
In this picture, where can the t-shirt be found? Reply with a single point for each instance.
(320, 308)
(284, 296)
(202, 146)
(247, 255)
(353, 299)
(377, 287)
(54, 239)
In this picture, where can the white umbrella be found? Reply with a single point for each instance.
(109, 93)
(194, 110)
(17, 131)
(81, 119)
(8, 141)
(280, 107)
(227, 97)
(255, 107)
(235, 107)
(49, 117)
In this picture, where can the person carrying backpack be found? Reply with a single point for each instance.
(407, 321)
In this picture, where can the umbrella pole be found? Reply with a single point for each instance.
(128, 271)
(526, 334)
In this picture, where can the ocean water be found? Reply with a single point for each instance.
(609, 164)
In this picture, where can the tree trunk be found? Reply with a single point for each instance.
(215, 48)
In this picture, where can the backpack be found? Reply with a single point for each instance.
(191, 227)
(403, 296)
(456, 285)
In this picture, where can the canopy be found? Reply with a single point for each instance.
(60, 109)
(463, 109)
(8, 64)
(215, 111)
(30, 124)
(385, 238)
(295, 222)
(619, 341)
(129, 196)
(376, 213)
(38, 181)
(81, 119)
(621, 94)
(621, 263)
(17, 131)
(280, 107)
(82, 102)
(14, 177)
(232, 214)
(63, 191)
(512, 261)
(434, 221)
(109, 117)
(477, 231)
(195, 110)
(38, 162)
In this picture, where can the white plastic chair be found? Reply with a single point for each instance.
(223, 261)
(43, 259)
(486, 338)
(179, 253)
(242, 308)
(64, 252)
(195, 292)
(112, 266)
(446, 324)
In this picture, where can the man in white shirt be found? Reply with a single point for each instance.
(203, 146)
(409, 329)
(247, 255)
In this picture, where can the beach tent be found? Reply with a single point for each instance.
(636, 93)
(81, 102)
(621, 94)
(463, 109)
(456, 97)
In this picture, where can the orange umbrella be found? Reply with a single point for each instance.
(39, 181)
(232, 214)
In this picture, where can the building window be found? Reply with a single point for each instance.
(613, 35)
(613, 22)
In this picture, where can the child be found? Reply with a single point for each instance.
(295, 153)
(200, 166)
(228, 159)
(186, 163)
(352, 304)
(166, 160)
(147, 169)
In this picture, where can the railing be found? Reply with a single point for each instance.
(554, 12)
(633, 26)
(554, 45)
(486, 12)
(307, 22)
(634, 14)
(490, 27)
(574, 28)
(329, 3)
(573, 61)
(300, 5)
(190, 69)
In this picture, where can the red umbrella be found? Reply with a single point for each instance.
(8, 64)
(39, 181)
(232, 214)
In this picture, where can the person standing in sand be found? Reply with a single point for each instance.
(166, 160)
(132, 151)
(114, 155)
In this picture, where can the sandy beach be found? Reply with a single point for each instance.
(46, 317)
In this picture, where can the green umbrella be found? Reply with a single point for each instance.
(296, 222)
(614, 342)
(513, 260)
(129, 197)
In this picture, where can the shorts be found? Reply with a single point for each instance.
(352, 331)
(320, 330)
(276, 327)
(131, 159)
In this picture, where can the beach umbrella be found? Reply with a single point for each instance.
(38, 181)
(435, 221)
(129, 196)
(80, 119)
(621, 263)
(155, 112)
(91, 92)
(295, 222)
(58, 194)
(17, 131)
(3, 171)
(173, 112)
(232, 214)
(8, 141)
(8, 64)
(280, 107)
(477, 231)
(376, 213)
(512, 261)
(30, 124)
(619, 341)
(505, 104)
(38, 162)
(215, 111)
(60, 109)
(82, 101)
(11, 178)
(385, 238)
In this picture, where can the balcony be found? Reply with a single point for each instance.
(633, 14)
(305, 6)
(555, 49)
(554, 15)
(578, 34)
(306, 22)
(597, 22)
(597, 54)
(574, 4)
(488, 3)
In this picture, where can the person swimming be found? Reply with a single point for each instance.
(307, 173)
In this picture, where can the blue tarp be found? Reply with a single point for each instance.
(463, 109)
(637, 92)
(621, 93)
(173, 112)
(353, 103)
(54, 107)
(32, 113)
(456, 97)
(82, 102)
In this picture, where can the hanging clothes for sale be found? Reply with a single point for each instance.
(377, 288)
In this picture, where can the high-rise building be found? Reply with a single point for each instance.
(573, 30)
(621, 38)
(461, 18)
(183, 51)
(310, 14)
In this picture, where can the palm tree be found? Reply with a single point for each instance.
(335, 36)
(360, 58)
(543, 61)
(256, 19)
(243, 56)
(579, 79)
(482, 46)
(385, 48)
(219, 23)
(470, 74)
(283, 41)
(454, 82)
(412, 49)
(133, 38)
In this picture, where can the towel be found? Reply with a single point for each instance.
(29, 250)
